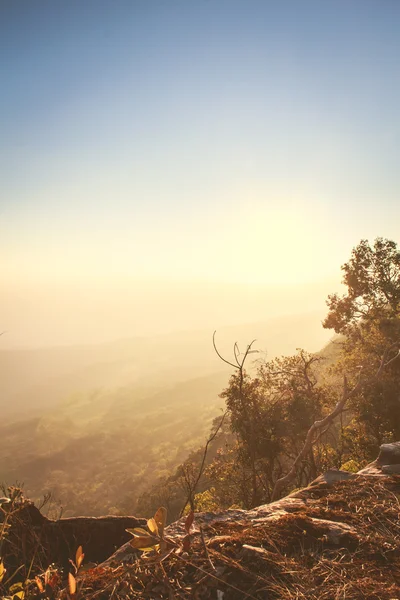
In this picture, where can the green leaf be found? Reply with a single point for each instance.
(189, 521)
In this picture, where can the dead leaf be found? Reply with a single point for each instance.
(189, 521)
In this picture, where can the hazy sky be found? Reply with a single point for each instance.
(195, 140)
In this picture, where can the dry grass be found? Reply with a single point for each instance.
(288, 558)
(296, 559)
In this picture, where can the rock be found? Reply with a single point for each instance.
(55, 541)
(331, 477)
(176, 531)
(288, 504)
(371, 469)
(389, 454)
(335, 530)
(124, 555)
(388, 461)
(391, 469)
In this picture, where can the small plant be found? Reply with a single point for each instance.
(73, 592)
(48, 583)
(146, 541)
(154, 539)
(8, 505)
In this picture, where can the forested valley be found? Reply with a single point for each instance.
(218, 430)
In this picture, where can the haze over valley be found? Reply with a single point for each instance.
(97, 424)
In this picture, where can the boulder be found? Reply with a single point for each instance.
(32, 536)
(388, 461)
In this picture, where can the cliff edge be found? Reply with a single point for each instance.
(339, 538)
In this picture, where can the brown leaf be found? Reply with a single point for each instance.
(189, 521)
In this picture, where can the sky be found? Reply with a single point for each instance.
(190, 145)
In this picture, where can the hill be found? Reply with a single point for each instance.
(96, 453)
(97, 425)
(37, 379)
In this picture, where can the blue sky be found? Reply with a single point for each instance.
(203, 140)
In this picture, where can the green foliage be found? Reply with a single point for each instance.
(272, 410)
(372, 277)
(351, 466)
(206, 501)
(369, 316)
(172, 491)
(270, 414)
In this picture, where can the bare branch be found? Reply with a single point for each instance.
(248, 350)
(240, 368)
(236, 352)
(192, 488)
(219, 355)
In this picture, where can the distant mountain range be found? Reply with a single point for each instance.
(33, 379)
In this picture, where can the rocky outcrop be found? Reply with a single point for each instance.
(337, 538)
(32, 535)
(388, 462)
(275, 512)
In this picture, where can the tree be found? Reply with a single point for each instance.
(368, 316)
(271, 413)
(322, 425)
(283, 413)
(372, 277)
